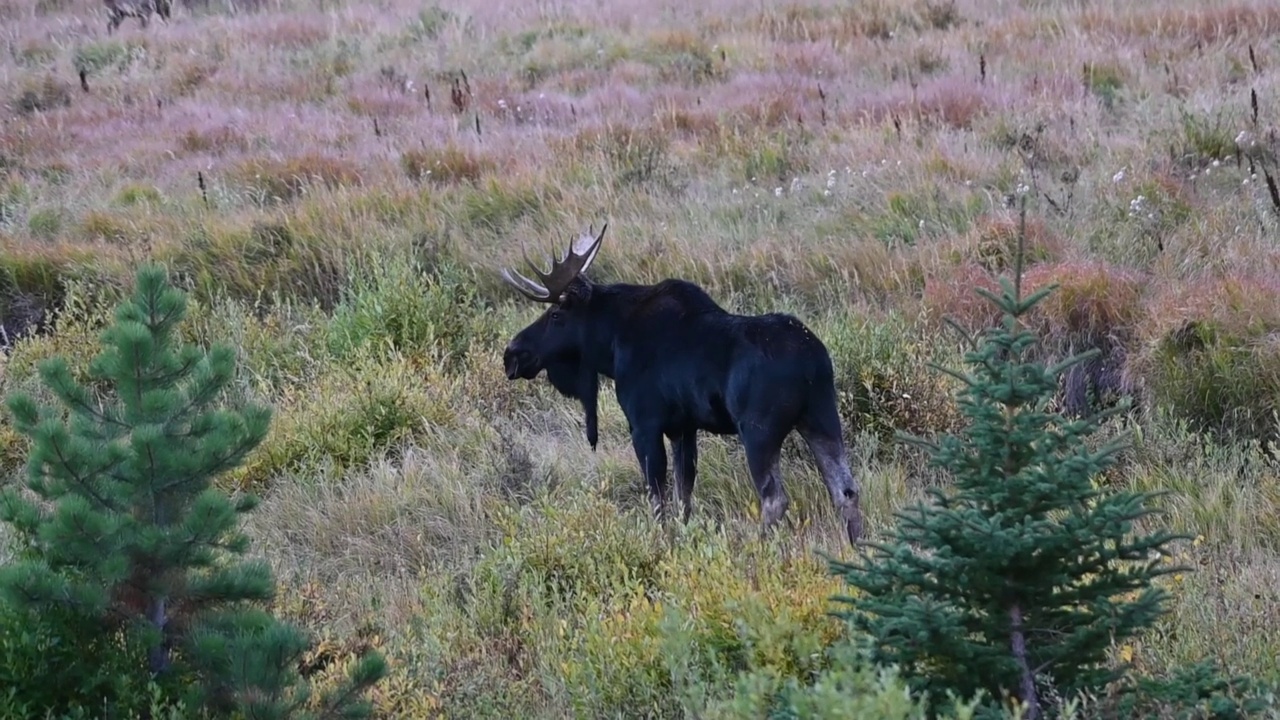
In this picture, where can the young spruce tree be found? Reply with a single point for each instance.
(1026, 573)
(129, 531)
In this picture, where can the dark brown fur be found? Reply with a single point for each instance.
(141, 9)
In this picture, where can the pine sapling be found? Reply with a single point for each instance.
(127, 527)
(1027, 572)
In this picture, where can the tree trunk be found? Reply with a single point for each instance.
(1028, 682)
(158, 657)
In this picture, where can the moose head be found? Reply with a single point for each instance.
(564, 340)
(553, 338)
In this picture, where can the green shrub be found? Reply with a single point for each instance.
(851, 687)
(777, 157)
(97, 671)
(137, 194)
(430, 21)
(636, 156)
(35, 279)
(92, 57)
(493, 206)
(681, 57)
(1219, 382)
(1199, 690)
(1104, 80)
(277, 348)
(1205, 139)
(349, 413)
(262, 262)
(45, 223)
(882, 379)
(395, 307)
(604, 613)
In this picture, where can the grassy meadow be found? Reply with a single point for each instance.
(337, 184)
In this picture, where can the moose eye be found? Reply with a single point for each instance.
(556, 316)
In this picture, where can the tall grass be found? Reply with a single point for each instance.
(337, 185)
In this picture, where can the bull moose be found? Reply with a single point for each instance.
(680, 364)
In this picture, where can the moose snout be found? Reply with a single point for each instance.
(519, 362)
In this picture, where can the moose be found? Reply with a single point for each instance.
(141, 9)
(681, 364)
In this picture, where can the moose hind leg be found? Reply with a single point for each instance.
(684, 459)
(652, 455)
(833, 462)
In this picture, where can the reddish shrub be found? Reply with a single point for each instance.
(1212, 355)
(953, 295)
(1095, 304)
(445, 165)
(1239, 305)
(992, 242)
(1196, 25)
(286, 179)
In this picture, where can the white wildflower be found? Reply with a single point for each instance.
(1137, 206)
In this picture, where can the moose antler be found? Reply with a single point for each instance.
(579, 256)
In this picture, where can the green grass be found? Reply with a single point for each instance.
(846, 162)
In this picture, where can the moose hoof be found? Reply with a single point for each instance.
(772, 510)
(852, 516)
(854, 530)
(659, 509)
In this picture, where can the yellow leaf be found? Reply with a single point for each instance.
(1126, 653)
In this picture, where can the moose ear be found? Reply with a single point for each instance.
(578, 292)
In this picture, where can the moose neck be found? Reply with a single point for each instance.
(579, 377)
(606, 306)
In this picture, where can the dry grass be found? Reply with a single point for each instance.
(338, 183)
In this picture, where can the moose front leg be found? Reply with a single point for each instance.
(652, 454)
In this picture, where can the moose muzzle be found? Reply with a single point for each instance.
(520, 363)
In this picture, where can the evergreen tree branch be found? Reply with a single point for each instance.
(66, 464)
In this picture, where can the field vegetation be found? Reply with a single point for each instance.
(336, 185)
